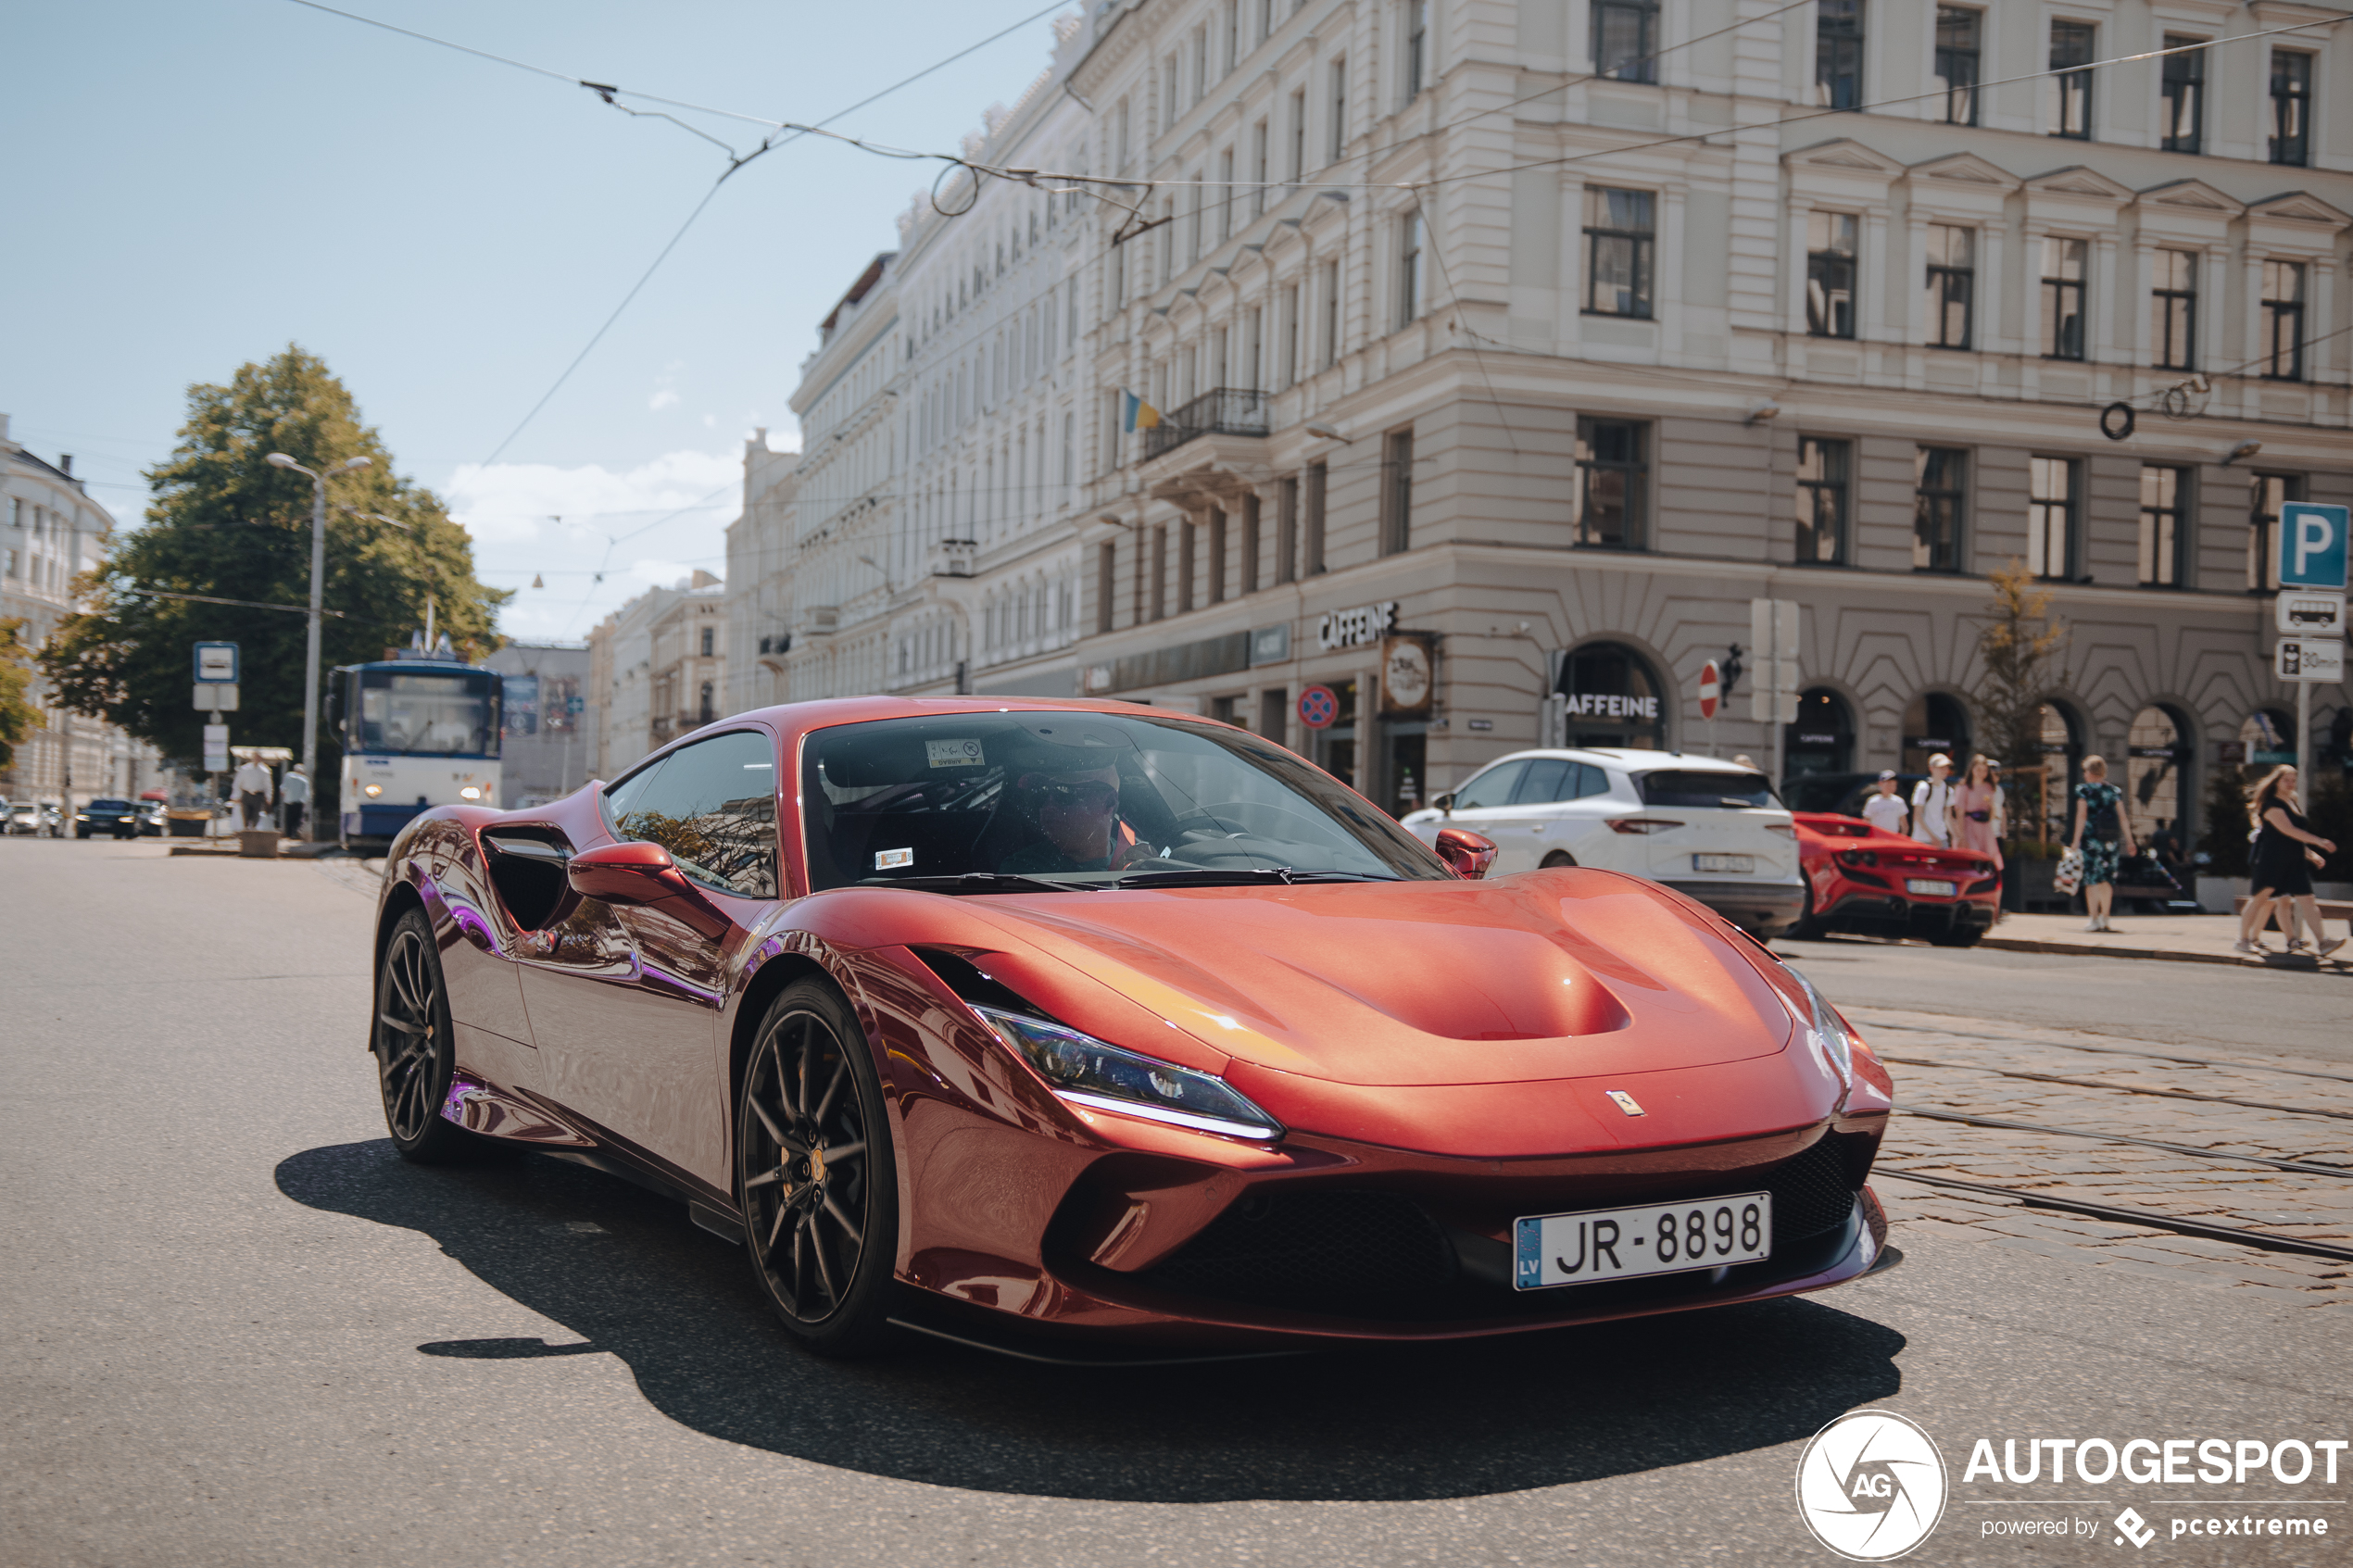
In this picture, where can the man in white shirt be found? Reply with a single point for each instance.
(1933, 803)
(251, 787)
(1884, 809)
(293, 798)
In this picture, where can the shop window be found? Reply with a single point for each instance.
(1613, 698)
(2157, 761)
(1822, 738)
(1934, 722)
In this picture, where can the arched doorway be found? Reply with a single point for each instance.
(1934, 722)
(2267, 737)
(2055, 780)
(1822, 740)
(1613, 697)
(2158, 793)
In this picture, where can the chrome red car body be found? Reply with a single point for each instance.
(1438, 1053)
(1860, 878)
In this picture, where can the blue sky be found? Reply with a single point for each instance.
(197, 184)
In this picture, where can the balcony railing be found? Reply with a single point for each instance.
(1228, 410)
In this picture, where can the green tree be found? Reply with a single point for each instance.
(221, 523)
(2018, 649)
(18, 716)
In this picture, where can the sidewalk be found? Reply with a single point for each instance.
(2180, 938)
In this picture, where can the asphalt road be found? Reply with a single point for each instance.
(235, 1330)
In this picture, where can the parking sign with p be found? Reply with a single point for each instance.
(2312, 538)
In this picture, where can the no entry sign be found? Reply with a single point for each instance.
(1318, 708)
(1711, 689)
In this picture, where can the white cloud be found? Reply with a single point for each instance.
(653, 523)
(662, 399)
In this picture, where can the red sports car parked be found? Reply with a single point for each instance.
(1102, 1031)
(1861, 878)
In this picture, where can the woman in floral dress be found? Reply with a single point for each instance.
(2103, 836)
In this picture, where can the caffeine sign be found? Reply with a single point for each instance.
(1355, 628)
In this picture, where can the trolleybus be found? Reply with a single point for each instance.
(417, 733)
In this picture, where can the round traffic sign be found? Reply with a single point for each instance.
(1711, 689)
(1318, 707)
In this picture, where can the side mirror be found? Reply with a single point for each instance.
(1470, 853)
(1444, 802)
(634, 872)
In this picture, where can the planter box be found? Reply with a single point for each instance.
(2026, 886)
(186, 825)
(261, 843)
(2220, 895)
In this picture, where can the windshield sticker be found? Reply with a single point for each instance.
(894, 860)
(954, 753)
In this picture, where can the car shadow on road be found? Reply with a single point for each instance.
(627, 1272)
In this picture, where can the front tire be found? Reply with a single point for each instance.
(414, 1047)
(1559, 860)
(814, 1173)
(1805, 928)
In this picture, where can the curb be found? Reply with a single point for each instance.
(2162, 955)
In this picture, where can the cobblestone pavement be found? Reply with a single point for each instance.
(2284, 1109)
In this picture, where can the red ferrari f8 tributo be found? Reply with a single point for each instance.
(1083, 1030)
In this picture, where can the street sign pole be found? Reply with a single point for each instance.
(2313, 543)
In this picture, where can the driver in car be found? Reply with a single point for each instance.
(1072, 799)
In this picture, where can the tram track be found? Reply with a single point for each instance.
(2228, 1064)
(2269, 1241)
(2118, 1088)
(2303, 1166)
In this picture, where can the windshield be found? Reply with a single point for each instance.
(435, 715)
(109, 806)
(1697, 787)
(1081, 800)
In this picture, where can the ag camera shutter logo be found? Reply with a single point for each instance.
(1871, 1485)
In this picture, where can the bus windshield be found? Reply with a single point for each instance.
(429, 715)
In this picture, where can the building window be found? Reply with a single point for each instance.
(1286, 531)
(1160, 572)
(2173, 311)
(1397, 493)
(1226, 196)
(2270, 492)
(1939, 474)
(709, 637)
(1838, 54)
(1289, 370)
(1617, 251)
(1298, 135)
(2054, 504)
(1626, 40)
(708, 708)
(2070, 92)
(1416, 47)
(1106, 583)
(1188, 538)
(1332, 314)
(1958, 31)
(1409, 268)
(2165, 494)
(1340, 111)
(1610, 500)
(1219, 528)
(2291, 107)
(1952, 274)
(2184, 86)
(1319, 478)
(1823, 469)
(2063, 263)
(1829, 274)
(2282, 342)
(1258, 153)
(1252, 528)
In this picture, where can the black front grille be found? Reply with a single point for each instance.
(1314, 1249)
(1810, 1193)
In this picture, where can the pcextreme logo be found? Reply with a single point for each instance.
(1871, 1486)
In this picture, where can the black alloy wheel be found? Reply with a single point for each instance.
(1805, 928)
(814, 1173)
(414, 1045)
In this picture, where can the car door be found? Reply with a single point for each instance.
(1484, 803)
(1577, 824)
(625, 1004)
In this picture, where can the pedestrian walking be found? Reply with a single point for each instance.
(2285, 854)
(1978, 805)
(251, 788)
(1933, 803)
(1884, 809)
(294, 800)
(2103, 836)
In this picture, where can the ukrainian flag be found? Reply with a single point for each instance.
(1137, 413)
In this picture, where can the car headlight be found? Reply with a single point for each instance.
(470, 793)
(372, 791)
(1085, 1071)
(1826, 1031)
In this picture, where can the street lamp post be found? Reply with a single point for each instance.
(318, 592)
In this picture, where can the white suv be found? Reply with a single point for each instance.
(1713, 830)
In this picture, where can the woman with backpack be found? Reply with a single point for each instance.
(2103, 837)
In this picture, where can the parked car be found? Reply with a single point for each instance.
(1713, 830)
(120, 817)
(1096, 1032)
(152, 807)
(37, 818)
(1862, 880)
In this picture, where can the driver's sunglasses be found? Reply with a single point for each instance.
(1089, 795)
